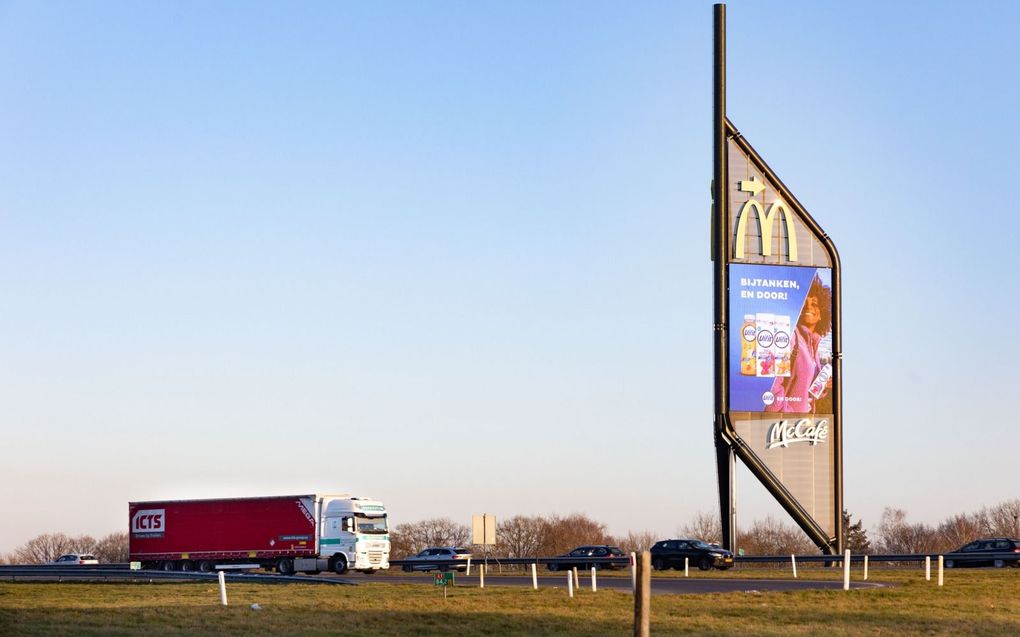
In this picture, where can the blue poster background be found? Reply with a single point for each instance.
(756, 289)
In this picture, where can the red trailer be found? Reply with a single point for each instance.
(270, 532)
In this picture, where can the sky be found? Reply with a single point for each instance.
(455, 255)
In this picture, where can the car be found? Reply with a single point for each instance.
(579, 557)
(74, 559)
(991, 551)
(673, 553)
(439, 558)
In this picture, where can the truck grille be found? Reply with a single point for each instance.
(375, 558)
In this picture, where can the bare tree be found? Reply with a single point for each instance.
(636, 542)
(520, 536)
(563, 534)
(112, 548)
(410, 538)
(772, 537)
(705, 526)
(1004, 519)
(43, 548)
(955, 531)
(896, 535)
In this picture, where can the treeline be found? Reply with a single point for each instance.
(50, 546)
(897, 535)
(529, 536)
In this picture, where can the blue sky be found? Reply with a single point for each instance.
(455, 255)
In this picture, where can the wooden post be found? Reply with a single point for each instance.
(643, 596)
(940, 570)
(481, 575)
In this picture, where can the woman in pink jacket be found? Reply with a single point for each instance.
(791, 392)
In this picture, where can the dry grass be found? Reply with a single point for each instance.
(981, 602)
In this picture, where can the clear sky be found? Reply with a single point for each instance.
(455, 255)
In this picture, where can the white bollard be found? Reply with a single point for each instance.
(594, 582)
(467, 573)
(570, 583)
(577, 578)
(223, 589)
(687, 563)
(534, 576)
(940, 570)
(927, 568)
(865, 568)
(793, 560)
(481, 575)
(846, 571)
(633, 571)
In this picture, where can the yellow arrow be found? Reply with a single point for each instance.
(751, 185)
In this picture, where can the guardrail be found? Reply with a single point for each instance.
(123, 572)
(560, 561)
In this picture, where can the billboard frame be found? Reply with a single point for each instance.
(728, 444)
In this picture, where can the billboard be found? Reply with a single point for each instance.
(780, 352)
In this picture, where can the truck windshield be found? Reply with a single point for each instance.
(370, 524)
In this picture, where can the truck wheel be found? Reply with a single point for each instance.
(186, 565)
(340, 565)
(168, 566)
(205, 566)
(285, 566)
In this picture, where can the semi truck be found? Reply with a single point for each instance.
(296, 533)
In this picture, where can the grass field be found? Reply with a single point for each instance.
(973, 602)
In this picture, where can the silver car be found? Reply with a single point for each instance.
(439, 558)
(74, 559)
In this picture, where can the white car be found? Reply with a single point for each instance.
(74, 559)
(439, 558)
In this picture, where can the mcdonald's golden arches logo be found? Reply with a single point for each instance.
(765, 220)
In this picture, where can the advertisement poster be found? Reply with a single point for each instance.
(780, 339)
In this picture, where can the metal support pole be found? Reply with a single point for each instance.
(720, 253)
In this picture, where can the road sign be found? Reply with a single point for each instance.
(444, 579)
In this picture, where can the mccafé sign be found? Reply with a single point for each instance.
(765, 220)
(806, 430)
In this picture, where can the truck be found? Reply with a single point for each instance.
(307, 533)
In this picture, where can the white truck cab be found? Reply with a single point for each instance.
(353, 534)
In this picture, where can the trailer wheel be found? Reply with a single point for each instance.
(205, 566)
(285, 566)
(168, 566)
(187, 565)
(340, 565)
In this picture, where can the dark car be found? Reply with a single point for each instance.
(579, 557)
(671, 554)
(992, 551)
